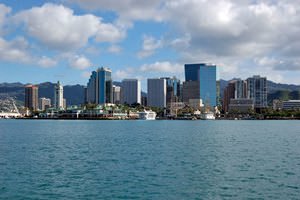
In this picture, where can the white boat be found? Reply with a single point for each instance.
(147, 115)
(208, 116)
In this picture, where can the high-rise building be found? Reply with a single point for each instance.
(218, 89)
(173, 90)
(236, 89)
(240, 89)
(131, 91)
(206, 75)
(190, 90)
(92, 89)
(105, 86)
(144, 100)
(44, 103)
(257, 90)
(99, 87)
(116, 94)
(229, 93)
(58, 96)
(85, 95)
(31, 97)
(157, 92)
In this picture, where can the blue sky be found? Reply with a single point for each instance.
(67, 39)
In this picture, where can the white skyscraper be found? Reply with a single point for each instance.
(58, 96)
(116, 94)
(131, 91)
(157, 92)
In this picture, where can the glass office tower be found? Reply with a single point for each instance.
(99, 87)
(173, 90)
(206, 75)
(105, 86)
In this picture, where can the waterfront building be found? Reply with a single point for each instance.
(44, 103)
(58, 96)
(196, 104)
(218, 89)
(157, 92)
(241, 105)
(105, 86)
(291, 105)
(190, 90)
(85, 95)
(175, 106)
(144, 100)
(206, 76)
(277, 104)
(99, 87)
(257, 90)
(236, 89)
(173, 90)
(92, 88)
(131, 91)
(31, 97)
(116, 94)
(229, 93)
(240, 89)
(65, 104)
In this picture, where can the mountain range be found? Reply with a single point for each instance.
(74, 94)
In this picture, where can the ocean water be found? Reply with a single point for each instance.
(41, 159)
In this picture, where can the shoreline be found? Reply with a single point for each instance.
(159, 119)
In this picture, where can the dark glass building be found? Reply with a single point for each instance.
(105, 86)
(206, 75)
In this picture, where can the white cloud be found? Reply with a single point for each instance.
(156, 69)
(92, 50)
(57, 27)
(18, 51)
(127, 9)
(122, 74)
(109, 33)
(279, 64)
(240, 29)
(114, 49)
(4, 11)
(46, 62)
(233, 33)
(180, 43)
(241, 36)
(150, 44)
(15, 50)
(164, 66)
(80, 62)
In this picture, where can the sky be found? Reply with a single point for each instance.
(67, 39)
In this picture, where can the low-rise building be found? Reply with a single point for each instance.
(277, 104)
(175, 106)
(196, 103)
(241, 105)
(291, 105)
(44, 103)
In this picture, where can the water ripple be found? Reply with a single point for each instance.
(149, 160)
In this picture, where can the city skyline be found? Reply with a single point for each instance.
(143, 40)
